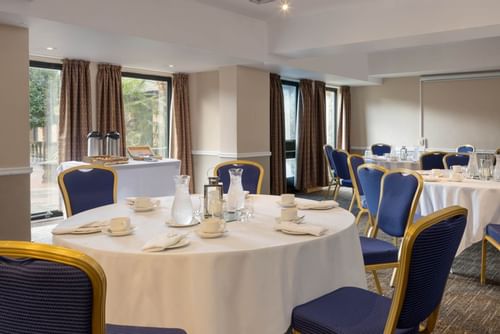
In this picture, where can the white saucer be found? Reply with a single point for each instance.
(297, 220)
(208, 235)
(194, 222)
(287, 205)
(107, 231)
(182, 243)
(156, 204)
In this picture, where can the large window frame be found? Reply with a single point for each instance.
(43, 215)
(335, 113)
(168, 80)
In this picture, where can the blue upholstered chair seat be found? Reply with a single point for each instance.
(346, 183)
(377, 251)
(493, 230)
(346, 310)
(118, 329)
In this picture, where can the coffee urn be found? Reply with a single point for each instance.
(94, 144)
(112, 143)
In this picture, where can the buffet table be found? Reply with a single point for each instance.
(481, 198)
(141, 178)
(394, 164)
(247, 281)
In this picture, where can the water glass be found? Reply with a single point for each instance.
(485, 169)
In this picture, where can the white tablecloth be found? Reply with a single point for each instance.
(245, 282)
(481, 198)
(141, 178)
(408, 164)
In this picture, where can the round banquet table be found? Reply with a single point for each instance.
(247, 281)
(481, 198)
(394, 164)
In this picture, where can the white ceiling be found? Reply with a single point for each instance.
(344, 42)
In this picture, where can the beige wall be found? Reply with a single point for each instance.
(388, 113)
(14, 130)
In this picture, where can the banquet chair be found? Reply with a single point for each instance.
(427, 254)
(467, 148)
(455, 159)
(491, 235)
(399, 195)
(86, 187)
(432, 160)
(253, 174)
(339, 158)
(381, 149)
(48, 289)
(370, 179)
(334, 180)
(353, 162)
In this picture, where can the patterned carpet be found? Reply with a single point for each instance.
(467, 306)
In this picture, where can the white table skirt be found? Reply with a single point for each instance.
(481, 198)
(245, 282)
(408, 164)
(141, 178)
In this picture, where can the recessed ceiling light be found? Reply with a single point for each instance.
(50, 48)
(285, 6)
(171, 66)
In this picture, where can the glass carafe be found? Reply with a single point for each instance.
(182, 209)
(403, 153)
(472, 170)
(235, 194)
(496, 171)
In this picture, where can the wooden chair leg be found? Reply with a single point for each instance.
(483, 261)
(377, 283)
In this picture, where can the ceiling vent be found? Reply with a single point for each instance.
(260, 2)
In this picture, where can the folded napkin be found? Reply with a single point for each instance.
(81, 227)
(320, 205)
(162, 242)
(311, 229)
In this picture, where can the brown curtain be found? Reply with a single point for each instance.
(110, 112)
(181, 125)
(304, 171)
(74, 110)
(319, 134)
(277, 123)
(344, 119)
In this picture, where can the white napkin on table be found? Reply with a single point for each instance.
(82, 227)
(320, 205)
(161, 242)
(311, 229)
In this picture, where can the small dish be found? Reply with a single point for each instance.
(209, 235)
(194, 222)
(155, 205)
(297, 220)
(120, 233)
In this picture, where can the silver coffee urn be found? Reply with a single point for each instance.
(112, 143)
(94, 144)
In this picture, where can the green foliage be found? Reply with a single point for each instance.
(39, 89)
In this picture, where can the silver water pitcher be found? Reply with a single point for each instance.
(94, 144)
(112, 143)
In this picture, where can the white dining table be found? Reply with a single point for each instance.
(247, 281)
(481, 198)
(394, 164)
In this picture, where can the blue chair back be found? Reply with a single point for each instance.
(455, 159)
(381, 149)
(251, 178)
(339, 158)
(86, 187)
(465, 149)
(432, 160)
(370, 178)
(328, 150)
(427, 254)
(354, 161)
(46, 289)
(399, 197)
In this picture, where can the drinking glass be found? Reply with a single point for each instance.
(485, 169)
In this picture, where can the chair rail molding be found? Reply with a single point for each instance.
(231, 155)
(8, 171)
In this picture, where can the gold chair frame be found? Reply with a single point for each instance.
(410, 237)
(95, 273)
(334, 180)
(64, 190)
(244, 162)
(484, 252)
(355, 186)
(373, 233)
(454, 154)
(430, 153)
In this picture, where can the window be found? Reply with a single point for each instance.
(331, 116)
(290, 96)
(44, 92)
(146, 101)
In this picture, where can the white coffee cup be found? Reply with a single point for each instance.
(437, 173)
(212, 225)
(143, 203)
(457, 169)
(288, 199)
(119, 224)
(288, 214)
